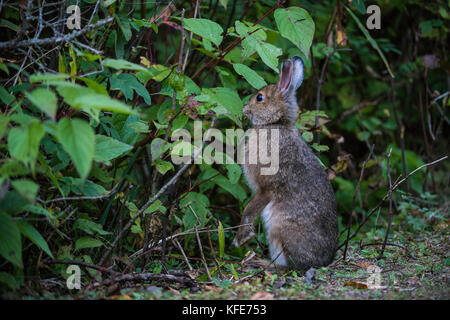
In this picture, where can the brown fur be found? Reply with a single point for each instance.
(303, 219)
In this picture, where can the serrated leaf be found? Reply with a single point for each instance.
(256, 42)
(101, 102)
(78, 140)
(90, 227)
(121, 64)
(87, 242)
(163, 166)
(296, 25)
(44, 99)
(107, 148)
(205, 28)
(255, 80)
(31, 233)
(126, 83)
(23, 143)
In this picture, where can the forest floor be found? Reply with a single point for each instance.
(416, 269)
(419, 272)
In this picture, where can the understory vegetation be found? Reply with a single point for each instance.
(88, 113)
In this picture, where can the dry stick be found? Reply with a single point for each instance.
(395, 186)
(84, 264)
(146, 277)
(106, 195)
(54, 40)
(390, 204)
(154, 198)
(202, 255)
(353, 200)
(190, 231)
(178, 245)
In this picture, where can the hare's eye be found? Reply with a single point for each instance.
(259, 97)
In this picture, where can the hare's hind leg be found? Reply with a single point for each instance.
(273, 232)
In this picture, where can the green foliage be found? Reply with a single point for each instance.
(85, 145)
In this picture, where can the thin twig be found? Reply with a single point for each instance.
(84, 264)
(390, 204)
(349, 226)
(146, 277)
(178, 245)
(54, 40)
(202, 255)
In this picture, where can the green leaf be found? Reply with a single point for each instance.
(320, 147)
(87, 242)
(31, 233)
(307, 136)
(124, 26)
(10, 242)
(179, 122)
(194, 205)
(234, 172)
(235, 189)
(221, 234)
(26, 188)
(23, 143)
(41, 211)
(126, 83)
(121, 64)
(101, 102)
(296, 25)
(107, 148)
(78, 140)
(44, 99)
(86, 187)
(372, 42)
(256, 42)
(163, 166)
(44, 77)
(158, 147)
(90, 227)
(6, 97)
(228, 99)
(9, 280)
(205, 28)
(255, 80)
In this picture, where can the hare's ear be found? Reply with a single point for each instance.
(285, 76)
(291, 75)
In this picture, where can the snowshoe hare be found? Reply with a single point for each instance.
(297, 202)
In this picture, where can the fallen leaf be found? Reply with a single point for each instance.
(262, 295)
(356, 284)
(364, 264)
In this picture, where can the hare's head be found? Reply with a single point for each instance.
(276, 103)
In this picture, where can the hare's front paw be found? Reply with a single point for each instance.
(243, 235)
